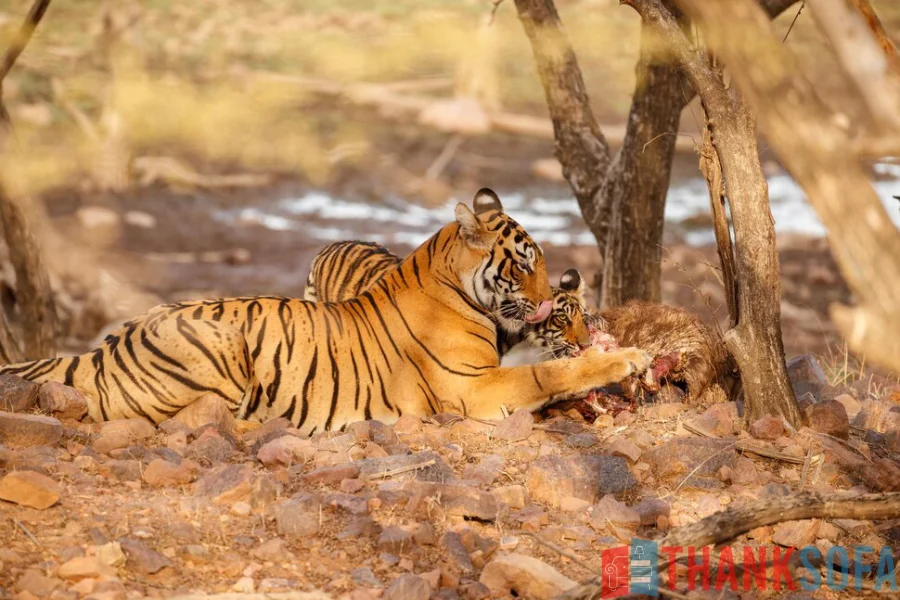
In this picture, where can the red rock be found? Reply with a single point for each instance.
(796, 534)
(486, 470)
(512, 496)
(551, 478)
(457, 552)
(850, 404)
(84, 567)
(63, 401)
(829, 417)
(394, 539)
(21, 430)
(209, 408)
(226, 484)
(332, 475)
(515, 427)
(524, 576)
(407, 425)
(210, 446)
(265, 433)
(664, 412)
(624, 448)
(286, 450)
(17, 394)
(29, 488)
(142, 558)
(113, 435)
(807, 376)
(407, 587)
(38, 584)
(744, 472)
(650, 509)
(570, 504)
(161, 473)
(299, 516)
(695, 456)
(609, 510)
(767, 428)
(626, 417)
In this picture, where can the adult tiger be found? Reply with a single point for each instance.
(419, 341)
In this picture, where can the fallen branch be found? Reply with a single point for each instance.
(728, 524)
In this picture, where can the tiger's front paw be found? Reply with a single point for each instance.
(638, 360)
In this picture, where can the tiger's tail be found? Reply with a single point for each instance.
(68, 370)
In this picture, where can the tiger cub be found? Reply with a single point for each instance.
(419, 341)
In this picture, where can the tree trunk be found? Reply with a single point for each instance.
(637, 183)
(755, 342)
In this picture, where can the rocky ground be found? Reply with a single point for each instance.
(441, 507)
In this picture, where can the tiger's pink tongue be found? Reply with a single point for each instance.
(541, 313)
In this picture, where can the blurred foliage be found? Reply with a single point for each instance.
(188, 78)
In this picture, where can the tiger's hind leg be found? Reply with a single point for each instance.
(157, 370)
(532, 386)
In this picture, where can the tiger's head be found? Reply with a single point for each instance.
(501, 268)
(568, 328)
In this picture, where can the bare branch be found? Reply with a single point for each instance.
(580, 146)
(878, 31)
(23, 36)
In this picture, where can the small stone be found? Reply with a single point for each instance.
(767, 428)
(581, 440)
(332, 475)
(708, 505)
(110, 554)
(650, 509)
(744, 472)
(207, 409)
(210, 446)
(624, 418)
(83, 567)
(882, 416)
(351, 486)
(457, 552)
(486, 471)
(431, 467)
(63, 401)
(455, 499)
(624, 448)
(17, 394)
(512, 496)
(697, 456)
(806, 376)
(244, 585)
(407, 587)
(570, 504)
(394, 539)
(524, 576)
(796, 534)
(604, 421)
(829, 417)
(122, 470)
(407, 425)
(850, 404)
(142, 558)
(28, 488)
(22, 430)
(162, 473)
(664, 412)
(509, 542)
(177, 442)
(515, 427)
(123, 433)
(299, 516)
(364, 576)
(286, 450)
(272, 550)
(382, 434)
(226, 483)
(609, 510)
(551, 478)
(36, 583)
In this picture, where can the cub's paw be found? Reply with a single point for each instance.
(637, 358)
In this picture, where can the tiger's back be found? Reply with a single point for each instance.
(344, 270)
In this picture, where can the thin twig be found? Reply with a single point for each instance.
(691, 474)
(496, 5)
(27, 533)
(797, 16)
(401, 470)
(23, 36)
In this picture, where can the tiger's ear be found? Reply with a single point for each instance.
(485, 200)
(472, 231)
(572, 281)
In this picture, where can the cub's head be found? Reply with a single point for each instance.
(568, 329)
(501, 268)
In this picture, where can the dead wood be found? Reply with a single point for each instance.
(19, 217)
(874, 23)
(802, 131)
(728, 524)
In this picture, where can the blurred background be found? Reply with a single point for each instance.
(208, 148)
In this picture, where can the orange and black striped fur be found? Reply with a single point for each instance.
(419, 341)
(704, 367)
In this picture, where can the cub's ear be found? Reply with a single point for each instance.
(472, 231)
(572, 281)
(485, 200)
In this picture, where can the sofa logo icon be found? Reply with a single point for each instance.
(630, 569)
